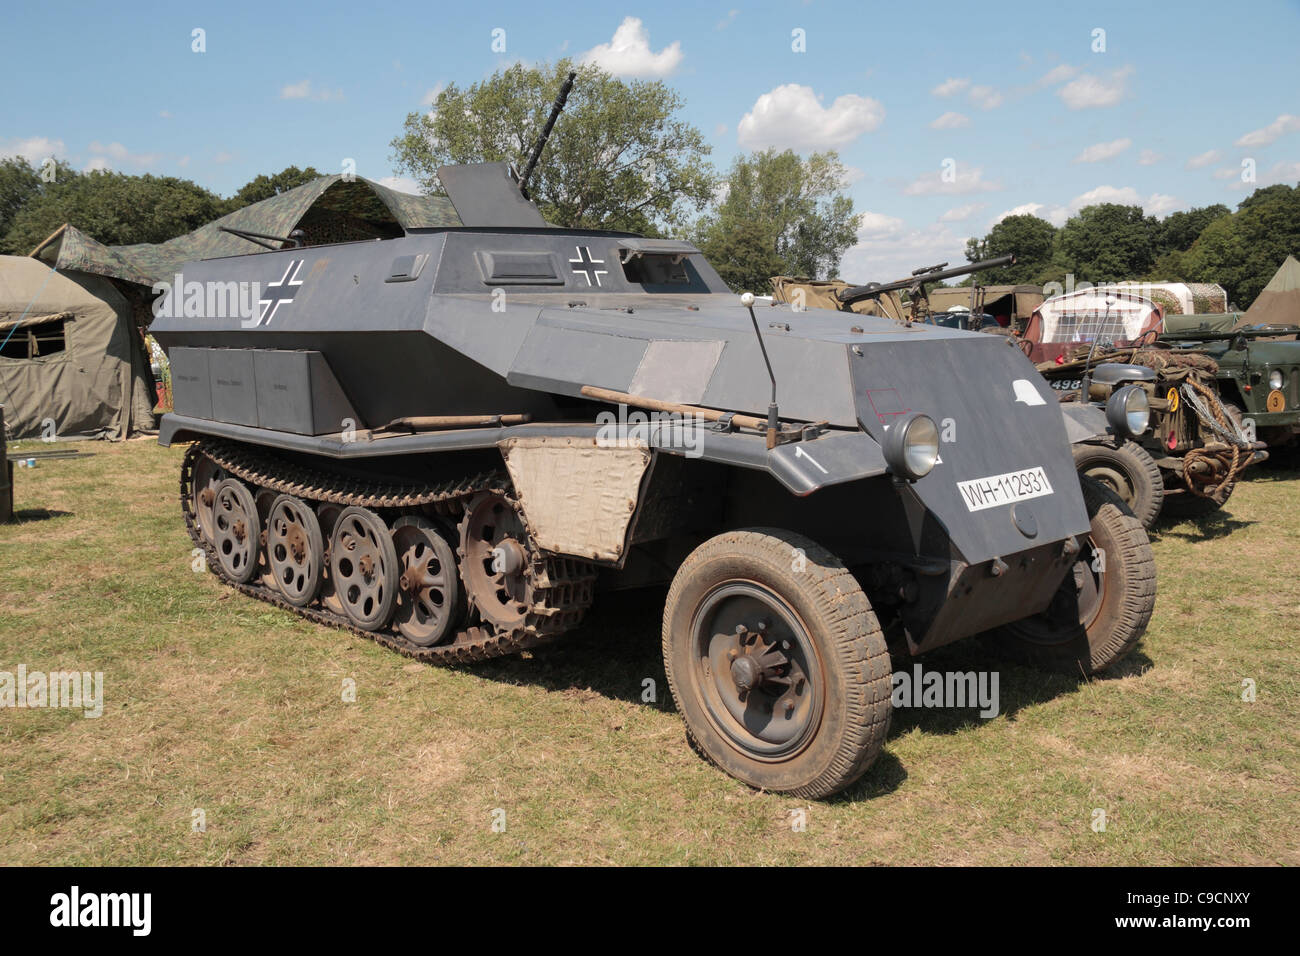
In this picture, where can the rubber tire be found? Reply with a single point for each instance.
(856, 677)
(1125, 612)
(1135, 464)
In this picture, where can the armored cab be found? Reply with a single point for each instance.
(455, 440)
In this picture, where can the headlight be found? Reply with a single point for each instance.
(912, 447)
(1275, 379)
(1129, 412)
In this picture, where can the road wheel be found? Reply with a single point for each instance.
(1130, 472)
(295, 549)
(430, 600)
(236, 530)
(777, 662)
(1103, 605)
(363, 567)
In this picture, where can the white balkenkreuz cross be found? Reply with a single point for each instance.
(284, 291)
(585, 265)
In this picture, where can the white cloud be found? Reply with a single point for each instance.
(629, 53)
(950, 86)
(852, 174)
(1099, 152)
(98, 163)
(950, 120)
(884, 256)
(720, 130)
(876, 225)
(431, 94)
(985, 97)
(402, 184)
(123, 156)
(1228, 172)
(223, 157)
(1204, 159)
(1149, 157)
(1158, 204)
(1090, 92)
(1056, 215)
(165, 114)
(35, 149)
(1125, 196)
(728, 20)
(1282, 172)
(1058, 74)
(960, 183)
(305, 91)
(1284, 124)
(791, 115)
(959, 213)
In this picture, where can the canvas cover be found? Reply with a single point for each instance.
(821, 294)
(1065, 322)
(1279, 303)
(328, 209)
(1006, 302)
(98, 384)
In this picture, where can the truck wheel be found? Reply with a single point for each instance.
(1104, 603)
(1130, 472)
(777, 662)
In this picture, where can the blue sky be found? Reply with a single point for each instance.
(1012, 99)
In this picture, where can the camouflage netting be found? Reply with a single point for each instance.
(328, 209)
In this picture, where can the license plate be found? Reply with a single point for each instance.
(981, 493)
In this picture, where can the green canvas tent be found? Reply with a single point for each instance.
(72, 363)
(329, 209)
(1279, 303)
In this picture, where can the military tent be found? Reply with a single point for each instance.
(329, 209)
(72, 363)
(1279, 303)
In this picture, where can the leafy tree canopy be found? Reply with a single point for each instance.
(791, 211)
(618, 158)
(1030, 239)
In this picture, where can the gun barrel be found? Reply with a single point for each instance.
(556, 108)
(866, 291)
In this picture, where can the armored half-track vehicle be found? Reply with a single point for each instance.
(453, 441)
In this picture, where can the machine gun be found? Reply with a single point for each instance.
(915, 286)
(556, 108)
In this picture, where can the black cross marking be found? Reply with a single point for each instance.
(280, 292)
(585, 265)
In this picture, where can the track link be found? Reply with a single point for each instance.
(561, 587)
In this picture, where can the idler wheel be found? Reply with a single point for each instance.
(295, 550)
(494, 561)
(363, 565)
(237, 531)
(430, 601)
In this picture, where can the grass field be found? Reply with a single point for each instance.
(219, 703)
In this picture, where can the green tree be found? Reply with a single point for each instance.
(618, 157)
(795, 206)
(115, 209)
(1242, 251)
(1109, 243)
(1030, 239)
(264, 187)
(20, 184)
(1179, 230)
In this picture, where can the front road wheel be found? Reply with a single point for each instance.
(1104, 604)
(777, 662)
